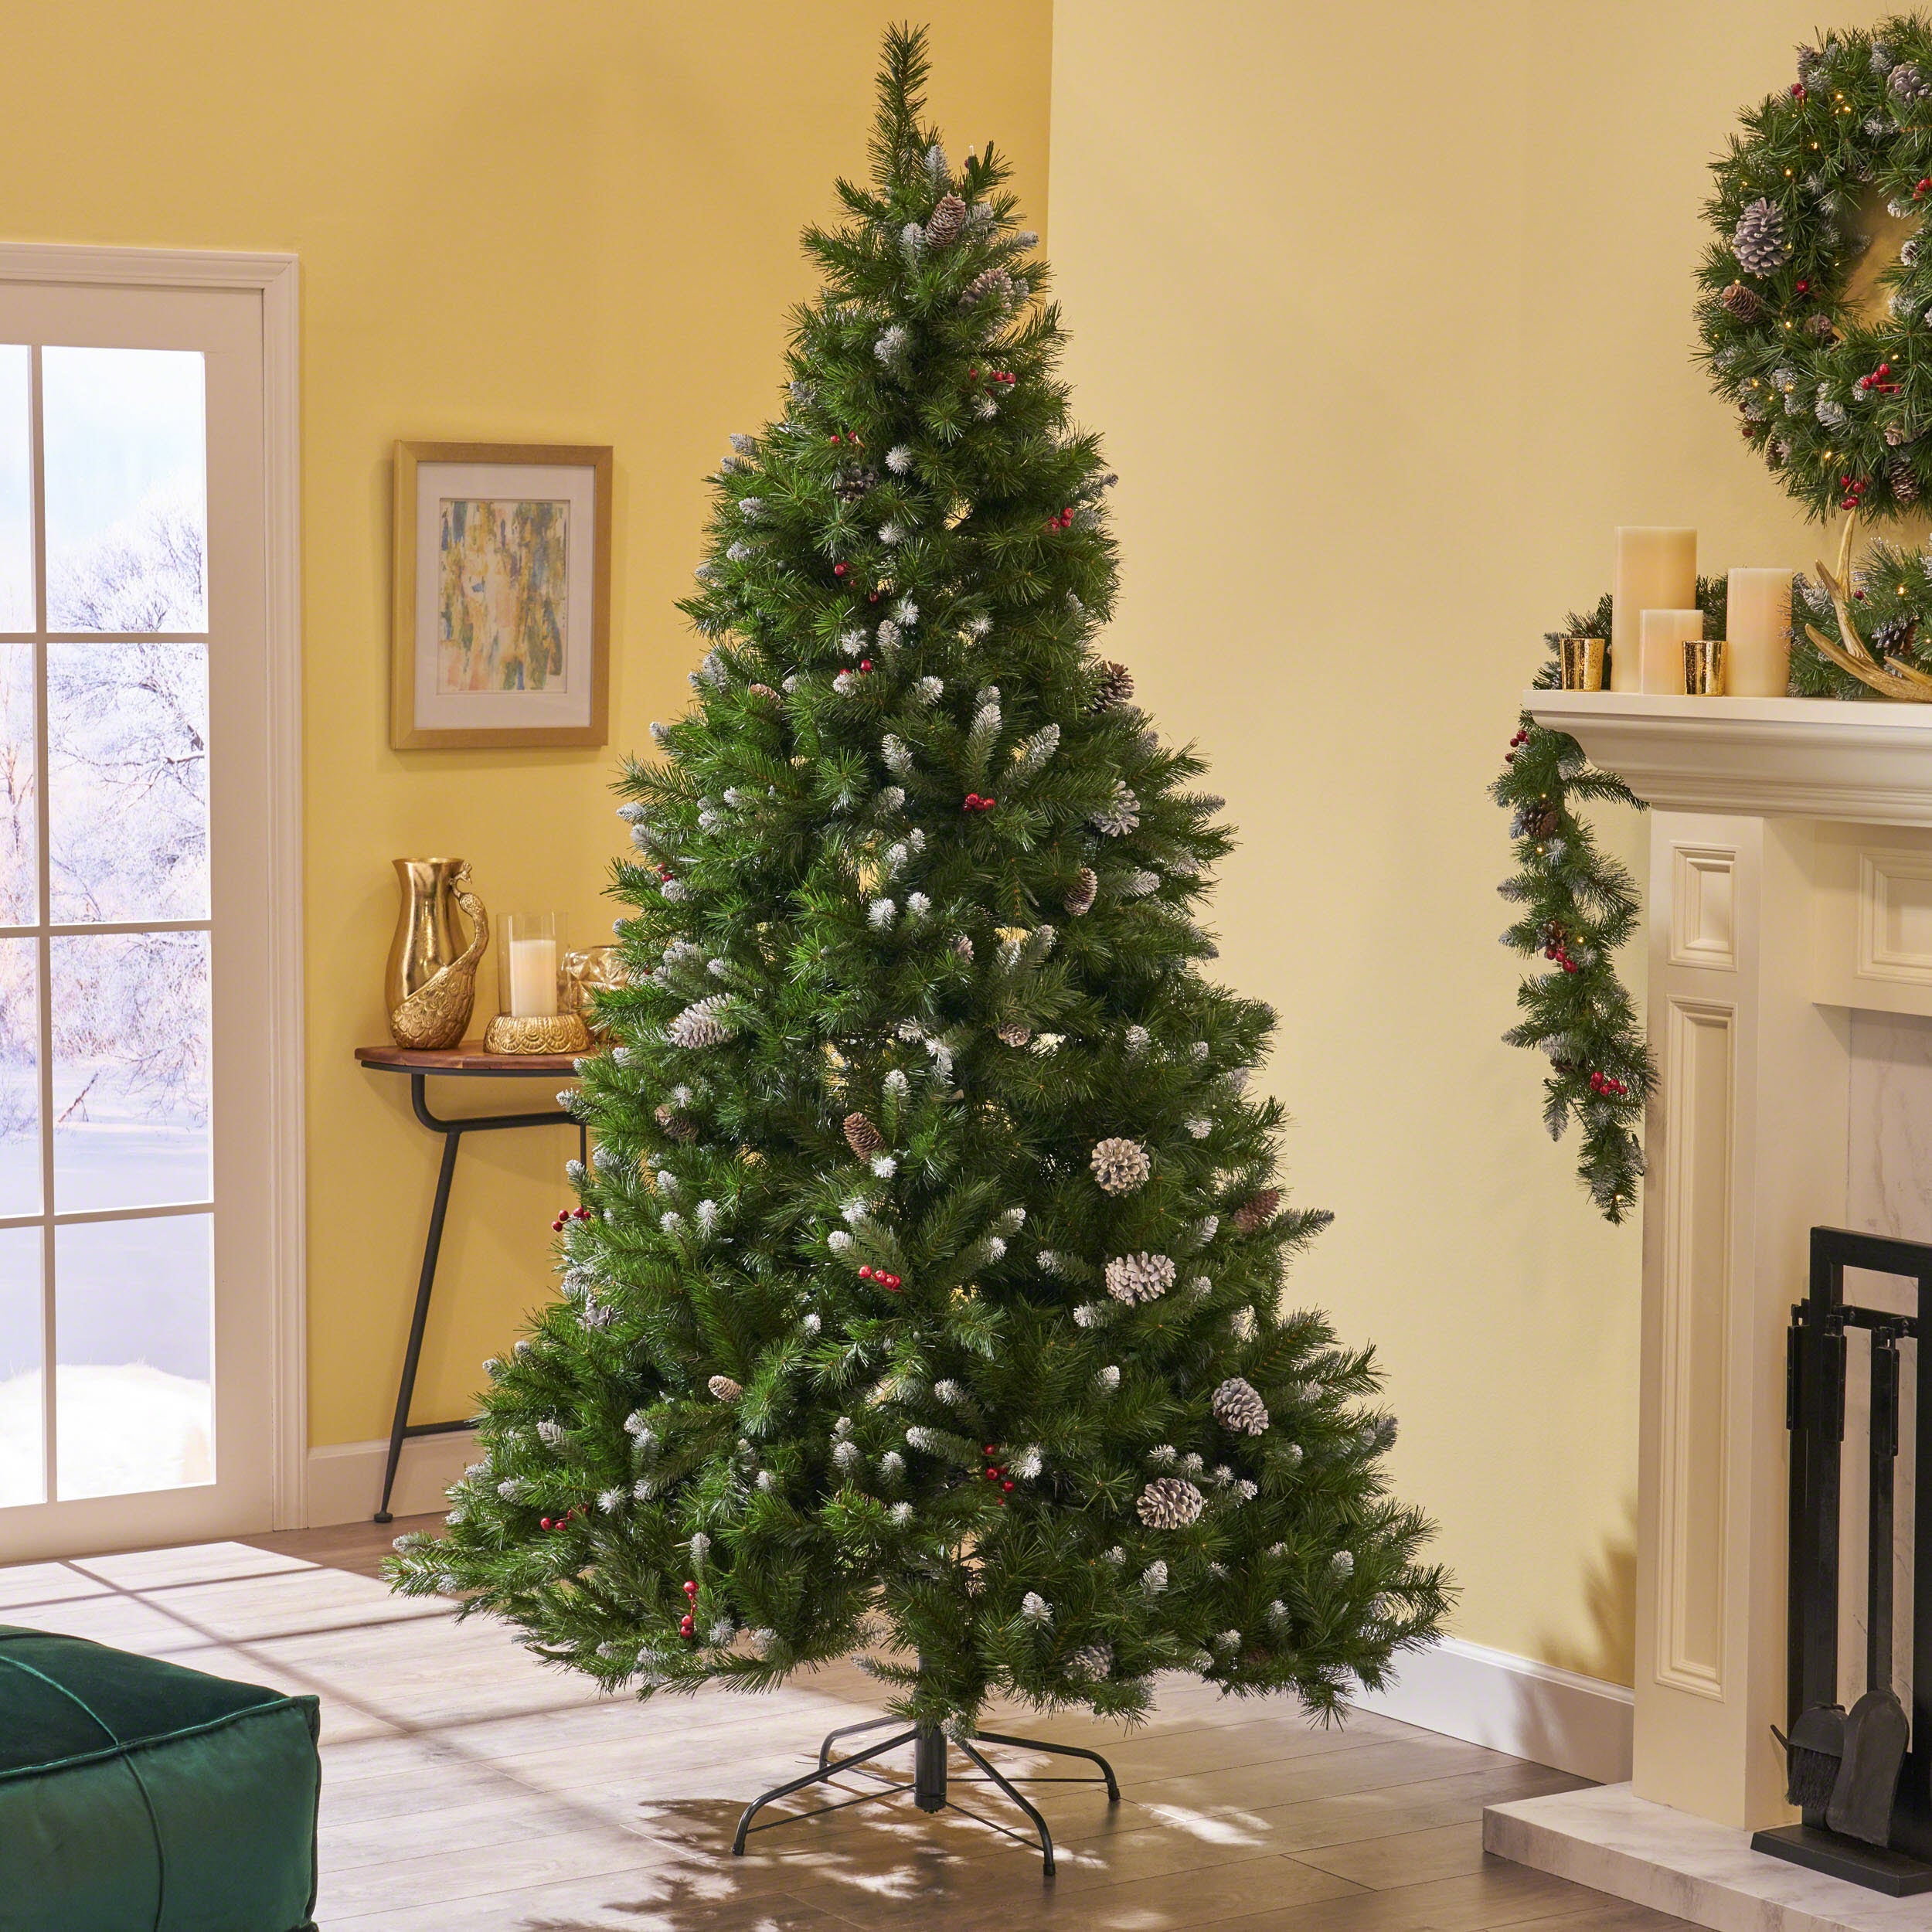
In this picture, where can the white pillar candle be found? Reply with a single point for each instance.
(1662, 635)
(532, 978)
(1758, 648)
(1656, 570)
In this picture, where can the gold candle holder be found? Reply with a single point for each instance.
(1583, 663)
(1704, 668)
(536, 1033)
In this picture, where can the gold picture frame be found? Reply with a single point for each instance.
(501, 626)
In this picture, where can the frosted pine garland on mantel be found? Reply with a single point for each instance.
(933, 1237)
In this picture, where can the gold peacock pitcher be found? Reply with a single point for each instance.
(430, 986)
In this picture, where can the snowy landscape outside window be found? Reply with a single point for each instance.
(104, 910)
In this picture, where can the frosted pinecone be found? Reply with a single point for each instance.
(1829, 411)
(1116, 687)
(855, 481)
(1904, 481)
(1168, 1502)
(1133, 1278)
(1742, 302)
(1091, 1661)
(948, 218)
(1119, 815)
(679, 1127)
(1121, 1165)
(1908, 84)
(1085, 890)
(1035, 1609)
(995, 282)
(1238, 1408)
(1893, 638)
(700, 1025)
(725, 1389)
(1758, 241)
(1014, 1032)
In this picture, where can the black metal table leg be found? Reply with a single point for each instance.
(419, 1320)
(401, 1429)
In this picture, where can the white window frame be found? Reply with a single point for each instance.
(274, 281)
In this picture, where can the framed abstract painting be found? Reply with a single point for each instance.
(502, 631)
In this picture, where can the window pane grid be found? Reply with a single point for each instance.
(103, 1293)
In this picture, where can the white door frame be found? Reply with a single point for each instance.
(273, 280)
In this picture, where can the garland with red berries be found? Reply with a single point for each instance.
(1578, 907)
(1837, 401)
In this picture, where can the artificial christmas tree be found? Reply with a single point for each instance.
(927, 1305)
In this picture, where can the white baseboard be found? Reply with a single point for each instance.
(345, 1478)
(1578, 1724)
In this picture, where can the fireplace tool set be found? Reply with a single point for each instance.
(1864, 1790)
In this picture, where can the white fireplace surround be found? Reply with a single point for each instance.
(1789, 924)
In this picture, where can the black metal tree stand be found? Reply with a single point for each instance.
(929, 1787)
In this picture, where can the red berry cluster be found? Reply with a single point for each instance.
(1063, 521)
(1521, 738)
(974, 803)
(1854, 489)
(865, 664)
(1798, 90)
(1880, 382)
(886, 1279)
(561, 1522)
(1922, 188)
(1005, 377)
(846, 436)
(995, 1472)
(1604, 1083)
(567, 1215)
(841, 570)
(687, 1624)
(1555, 949)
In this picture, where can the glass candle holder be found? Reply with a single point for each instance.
(532, 943)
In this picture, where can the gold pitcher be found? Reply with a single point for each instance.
(430, 986)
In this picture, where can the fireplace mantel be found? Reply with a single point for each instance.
(1790, 891)
(1770, 757)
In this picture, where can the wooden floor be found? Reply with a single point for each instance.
(466, 1788)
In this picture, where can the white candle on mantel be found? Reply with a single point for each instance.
(532, 978)
(1757, 650)
(1656, 570)
(1662, 635)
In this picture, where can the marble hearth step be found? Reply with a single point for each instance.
(1610, 1838)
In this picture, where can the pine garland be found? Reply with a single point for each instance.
(1579, 906)
(1892, 606)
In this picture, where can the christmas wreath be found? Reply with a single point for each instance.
(1837, 401)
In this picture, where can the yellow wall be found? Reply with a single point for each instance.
(570, 223)
(1385, 311)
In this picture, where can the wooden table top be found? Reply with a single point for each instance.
(471, 1057)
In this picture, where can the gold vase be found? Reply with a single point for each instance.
(430, 987)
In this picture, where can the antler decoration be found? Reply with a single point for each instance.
(1899, 680)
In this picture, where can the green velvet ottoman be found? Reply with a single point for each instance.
(138, 1796)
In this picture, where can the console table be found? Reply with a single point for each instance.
(469, 1061)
